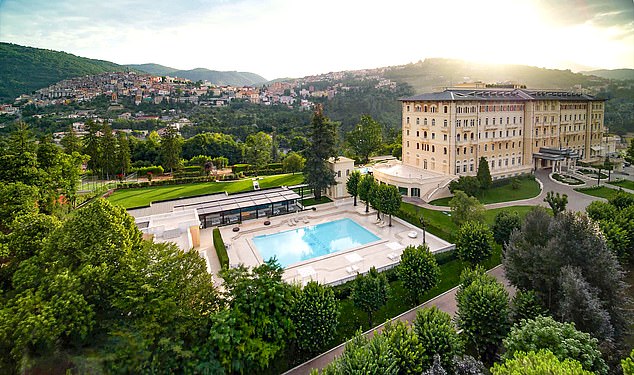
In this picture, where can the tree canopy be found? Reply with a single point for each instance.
(323, 146)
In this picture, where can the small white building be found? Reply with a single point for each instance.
(342, 167)
(180, 227)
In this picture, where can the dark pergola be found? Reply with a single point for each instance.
(223, 210)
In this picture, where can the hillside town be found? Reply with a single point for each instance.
(146, 88)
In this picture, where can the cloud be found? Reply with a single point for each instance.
(602, 13)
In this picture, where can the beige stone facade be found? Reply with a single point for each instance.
(342, 167)
(447, 132)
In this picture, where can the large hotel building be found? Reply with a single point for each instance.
(517, 130)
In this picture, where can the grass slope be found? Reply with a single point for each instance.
(528, 189)
(599, 191)
(130, 198)
(627, 184)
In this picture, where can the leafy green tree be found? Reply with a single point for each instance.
(214, 145)
(561, 339)
(622, 200)
(556, 202)
(390, 199)
(581, 304)
(71, 142)
(375, 199)
(418, 271)
(323, 146)
(123, 154)
(18, 158)
(630, 152)
(28, 233)
(406, 347)
(571, 269)
(366, 138)
(171, 149)
(258, 150)
(470, 185)
(474, 242)
(260, 304)
(370, 292)
(627, 364)
(599, 210)
(365, 356)
(465, 208)
(437, 335)
(542, 362)
(293, 162)
(108, 144)
(505, 223)
(483, 313)
(16, 199)
(314, 315)
(92, 146)
(526, 305)
(484, 174)
(352, 185)
(168, 321)
(366, 186)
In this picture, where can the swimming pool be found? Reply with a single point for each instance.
(305, 243)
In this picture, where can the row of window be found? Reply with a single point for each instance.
(573, 106)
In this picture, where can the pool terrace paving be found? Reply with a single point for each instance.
(335, 268)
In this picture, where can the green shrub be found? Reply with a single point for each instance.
(221, 251)
(155, 170)
(237, 168)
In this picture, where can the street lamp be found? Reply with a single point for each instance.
(422, 225)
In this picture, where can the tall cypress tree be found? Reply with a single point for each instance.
(323, 137)
(123, 153)
(484, 174)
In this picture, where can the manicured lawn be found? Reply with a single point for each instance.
(140, 197)
(601, 191)
(312, 202)
(627, 184)
(528, 189)
(440, 224)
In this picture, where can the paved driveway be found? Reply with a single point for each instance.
(576, 201)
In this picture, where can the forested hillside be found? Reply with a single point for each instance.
(25, 69)
(622, 74)
(430, 74)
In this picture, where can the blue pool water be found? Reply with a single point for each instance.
(300, 244)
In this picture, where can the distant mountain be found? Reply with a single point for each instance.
(431, 74)
(202, 74)
(26, 69)
(622, 74)
(156, 69)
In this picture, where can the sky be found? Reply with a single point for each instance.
(286, 38)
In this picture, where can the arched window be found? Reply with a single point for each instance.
(425, 135)
(445, 109)
(433, 122)
(433, 148)
(445, 123)
(424, 108)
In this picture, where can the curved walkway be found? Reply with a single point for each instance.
(445, 302)
(576, 201)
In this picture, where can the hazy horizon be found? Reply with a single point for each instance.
(279, 38)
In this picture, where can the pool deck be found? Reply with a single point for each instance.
(335, 268)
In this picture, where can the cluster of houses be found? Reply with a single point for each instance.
(146, 88)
